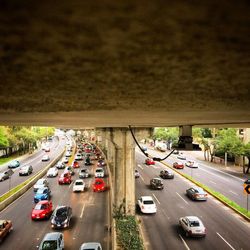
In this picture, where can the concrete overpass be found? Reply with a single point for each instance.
(110, 64)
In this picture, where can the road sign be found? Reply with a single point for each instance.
(247, 188)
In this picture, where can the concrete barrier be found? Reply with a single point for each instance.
(31, 182)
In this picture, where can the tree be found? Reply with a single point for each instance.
(246, 152)
(3, 137)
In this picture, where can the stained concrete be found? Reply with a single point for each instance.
(138, 62)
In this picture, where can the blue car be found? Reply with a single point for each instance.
(42, 194)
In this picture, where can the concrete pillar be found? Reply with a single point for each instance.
(124, 164)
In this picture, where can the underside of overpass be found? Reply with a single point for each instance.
(117, 63)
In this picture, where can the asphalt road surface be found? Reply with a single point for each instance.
(225, 229)
(90, 217)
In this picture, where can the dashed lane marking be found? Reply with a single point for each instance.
(182, 198)
(225, 241)
(82, 211)
(140, 166)
(142, 179)
(184, 242)
(156, 199)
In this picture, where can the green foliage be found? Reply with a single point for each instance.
(127, 230)
(206, 133)
(3, 137)
(128, 233)
(169, 134)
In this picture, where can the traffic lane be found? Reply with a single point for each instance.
(210, 212)
(37, 165)
(226, 184)
(27, 233)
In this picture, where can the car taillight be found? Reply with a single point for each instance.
(190, 232)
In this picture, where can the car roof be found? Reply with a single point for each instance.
(156, 178)
(52, 236)
(146, 198)
(43, 202)
(192, 218)
(90, 245)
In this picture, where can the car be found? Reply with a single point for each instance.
(52, 172)
(147, 205)
(65, 160)
(149, 161)
(178, 165)
(137, 174)
(26, 170)
(70, 170)
(42, 210)
(14, 164)
(45, 158)
(53, 241)
(78, 157)
(5, 228)
(75, 164)
(191, 164)
(196, 193)
(101, 163)
(166, 174)
(98, 156)
(91, 246)
(78, 186)
(6, 174)
(181, 156)
(99, 173)
(42, 194)
(98, 185)
(50, 138)
(47, 149)
(84, 173)
(87, 161)
(192, 226)
(68, 154)
(65, 178)
(156, 183)
(88, 149)
(60, 165)
(40, 184)
(61, 217)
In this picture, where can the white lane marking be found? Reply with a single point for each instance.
(184, 242)
(83, 207)
(233, 192)
(225, 241)
(165, 214)
(140, 166)
(182, 198)
(156, 198)
(70, 184)
(213, 182)
(142, 178)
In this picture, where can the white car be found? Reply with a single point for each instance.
(45, 158)
(78, 157)
(192, 164)
(68, 154)
(52, 172)
(41, 183)
(99, 173)
(192, 226)
(65, 160)
(147, 205)
(91, 245)
(78, 186)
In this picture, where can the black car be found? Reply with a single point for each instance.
(165, 174)
(87, 161)
(61, 217)
(156, 183)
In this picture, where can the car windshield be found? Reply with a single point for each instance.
(49, 245)
(194, 224)
(99, 170)
(148, 202)
(84, 170)
(39, 182)
(61, 212)
(98, 182)
(40, 206)
(41, 191)
(79, 183)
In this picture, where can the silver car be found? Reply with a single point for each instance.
(196, 193)
(53, 241)
(91, 245)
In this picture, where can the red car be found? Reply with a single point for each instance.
(178, 165)
(149, 161)
(42, 210)
(75, 164)
(99, 185)
(65, 178)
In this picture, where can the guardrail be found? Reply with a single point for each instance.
(25, 186)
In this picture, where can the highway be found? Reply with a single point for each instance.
(225, 229)
(227, 184)
(90, 217)
(56, 147)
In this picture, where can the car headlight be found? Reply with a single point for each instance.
(64, 222)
